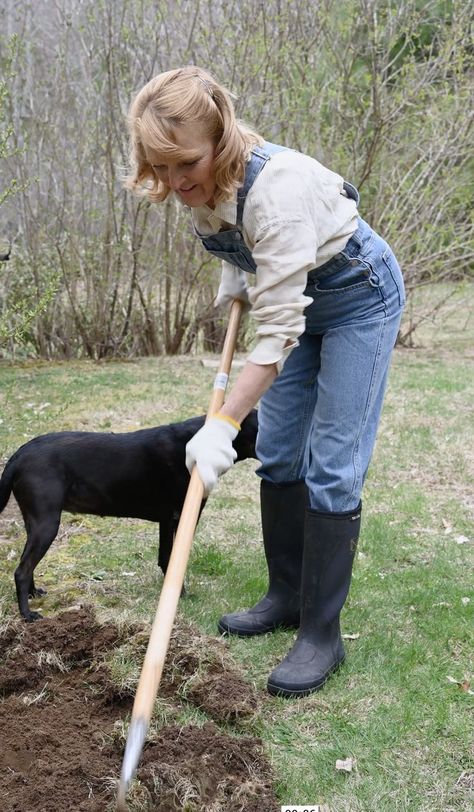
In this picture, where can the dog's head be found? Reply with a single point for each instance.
(245, 441)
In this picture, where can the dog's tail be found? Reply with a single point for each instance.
(6, 484)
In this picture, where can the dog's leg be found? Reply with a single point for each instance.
(167, 532)
(34, 591)
(168, 528)
(40, 535)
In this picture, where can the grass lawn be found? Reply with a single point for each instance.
(401, 707)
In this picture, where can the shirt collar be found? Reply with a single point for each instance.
(225, 212)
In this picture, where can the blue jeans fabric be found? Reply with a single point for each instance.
(319, 419)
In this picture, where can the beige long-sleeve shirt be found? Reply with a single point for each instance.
(296, 217)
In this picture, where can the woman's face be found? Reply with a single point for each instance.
(194, 181)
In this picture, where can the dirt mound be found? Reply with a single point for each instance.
(199, 768)
(201, 671)
(53, 755)
(62, 720)
(31, 651)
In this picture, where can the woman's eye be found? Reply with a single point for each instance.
(191, 163)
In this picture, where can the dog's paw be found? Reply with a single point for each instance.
(37, 592)
(32, 616)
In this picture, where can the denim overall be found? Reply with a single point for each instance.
(229, 244)
(318, 420)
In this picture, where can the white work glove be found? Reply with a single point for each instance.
(233, 285)
(212, 451)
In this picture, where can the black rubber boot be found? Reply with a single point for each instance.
(283, 508)
(329, 549)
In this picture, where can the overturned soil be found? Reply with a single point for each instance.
(62, 723)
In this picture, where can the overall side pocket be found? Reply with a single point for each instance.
(390, 262)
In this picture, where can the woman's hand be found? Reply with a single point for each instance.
(211, 447)
(212, 451)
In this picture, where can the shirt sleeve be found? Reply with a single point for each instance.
(280, 224)
(284, 253)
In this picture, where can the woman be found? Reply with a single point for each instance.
(327, 301)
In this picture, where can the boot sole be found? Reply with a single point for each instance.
(230, 631)
(287, 693)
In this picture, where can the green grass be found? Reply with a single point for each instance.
(392, 707)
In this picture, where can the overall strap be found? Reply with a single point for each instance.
(351, 192)
(259, 157)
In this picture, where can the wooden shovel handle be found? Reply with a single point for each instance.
(172, 585)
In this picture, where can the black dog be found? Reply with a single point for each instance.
(140, 474)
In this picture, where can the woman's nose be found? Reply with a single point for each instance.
(175, 178)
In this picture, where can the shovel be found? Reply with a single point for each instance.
(172, 585)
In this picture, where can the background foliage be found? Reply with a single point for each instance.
(381, 91)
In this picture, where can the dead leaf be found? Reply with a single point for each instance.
(466, 779)
(464, 685)
(346, 764)
(448, 528)
(354, 636)
(461, 539)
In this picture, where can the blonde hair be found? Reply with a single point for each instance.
(183, 96)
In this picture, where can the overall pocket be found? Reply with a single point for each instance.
(355, 274)
(347, 294)
(390, 262)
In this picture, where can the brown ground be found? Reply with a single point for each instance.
(61, 721)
